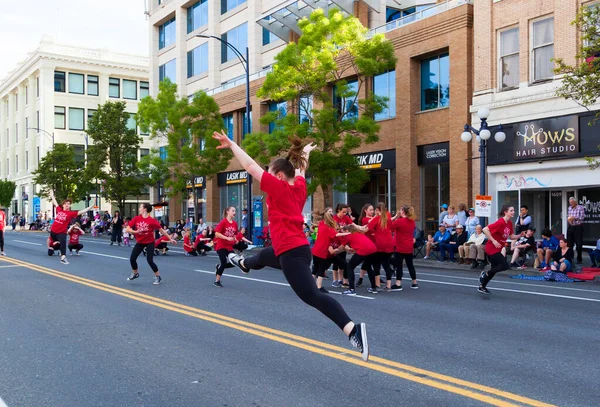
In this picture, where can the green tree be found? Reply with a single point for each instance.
(60, 172)
(331, 48)
(154, 168)
(7, 192)
(581, 82)
(113, 156)
(186, 127)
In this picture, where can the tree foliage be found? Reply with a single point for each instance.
(331, 49)
(112, 159)
(581, 82)
(59, 171)
(186, 127)
(7, 192)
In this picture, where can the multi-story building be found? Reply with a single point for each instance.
(540, 164)
(418, 161)
(56, 89)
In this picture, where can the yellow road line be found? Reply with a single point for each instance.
(308, 344)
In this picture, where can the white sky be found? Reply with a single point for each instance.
(116, 25)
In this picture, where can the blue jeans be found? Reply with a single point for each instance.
(595, 257)
(451, 248)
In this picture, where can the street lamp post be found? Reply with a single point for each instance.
(246, 66)
(52, 137)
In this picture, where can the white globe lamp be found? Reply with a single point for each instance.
(500, 136)
(485, 134)
(483, 113)
(466, 136)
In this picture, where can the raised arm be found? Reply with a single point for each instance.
(86, 210)
(306, 154)
(245, 160)
(52, 198)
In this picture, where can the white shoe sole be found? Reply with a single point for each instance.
(363, 335)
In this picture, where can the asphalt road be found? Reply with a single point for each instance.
(81, 335)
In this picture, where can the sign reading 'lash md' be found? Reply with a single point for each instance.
(546, 138)
(232, 177)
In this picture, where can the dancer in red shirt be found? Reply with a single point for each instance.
(225, 233)
(403, 225)
(285, 187)
(188, 246)
(323, 252)
(53, 245)
(380, 226)
(2, 226)
(363, 248)
(143, 227)
(497, 234)
(366, 214)
(203, 243)
(64, 216)
(160, 244)
(74, 233)
(340, 279)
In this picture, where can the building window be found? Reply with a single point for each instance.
(17, 133)
(129, 89)
(90, 114)
(238, 37)
(267, 36)
(7, 167)
(435, 82)
(79, 151)
(26, 160)
(384, 85)
(26, 95)
(305, 107)
(17, 163)
(167, 70)
(347, 105)
(114, 88)
(27, 127)
(131, 124)
(17, 101)
(59, 81)
(227, 5)
(162, 151)
(281, 109)
(144, 152)
(543, 49)
(76, 83)
(228, 124)
(509, 58)
(144, 89)
(59, 117)
(37, 86)
(37, 117)
(76, 118)
(197, 15)
(92, 82)
(244, 121)
(166, 34)
(38, 154)
(7, 137)
(197, 60)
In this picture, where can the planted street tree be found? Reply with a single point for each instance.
(7, 192)
(154, 168)
(113, 156)
(581, 82)
(330, 49)
(186, 127)
(61, 172)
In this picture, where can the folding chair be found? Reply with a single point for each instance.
(419, 244)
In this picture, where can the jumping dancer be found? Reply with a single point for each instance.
(380, 226)
(74, 233)
(63, 218)
(224, 240)
(144, 225)
(403, 225)
(2, 226)
(497, 233)
(366, 214)
(285, 187)
(363, 248)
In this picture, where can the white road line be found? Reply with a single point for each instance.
(105, 255)
(2, 403)
(25, 242)
(277, 283)
(5, 267)
(515, 291)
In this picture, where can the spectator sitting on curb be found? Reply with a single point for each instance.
(595, 255)
(472, 252)
(433, 242)
(522, 245)
(549, 246)
(456, 240)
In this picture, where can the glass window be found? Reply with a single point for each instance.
(16, 102)
(244, 121)
(267, 36)
(76, 83)
(384, 85)
(144, 152)
(131, 124)
(26, 95)
(7, 137)
(129, 89)
(227, 5)
(144, 89)
(59, 81)
(16, 133)
(197, 15)
(166, 34)
(79, 151)
(92, 82)
(91, 113)
(162, 151)
(27, 127)
(509, 58)
(347, 105)
(114, 88)
(435, 181)
(167, 70)
(76, 118)
(37, 117)
(392, 14)
(26, 160)
(435, 82)
(238, 37)
(305, 107)
(16, 163)
(228, 123)
(59, 117)
(197, 60)
(37, 86)
(281, 108)
(543, 49)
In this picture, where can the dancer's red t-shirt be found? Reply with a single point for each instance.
(187, 244)
(228, 229)
(404, 230)
(500, 231)
(62, 220)
(145, 228)
(2, 220)
(365, 221)
(383, 237)
(162, 239)
(74, 236)
(325, 237)
(285, 203)
(361, 244)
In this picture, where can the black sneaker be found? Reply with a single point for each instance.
(133, 276)
(218, 284)
(372, 290)
(482, 277)
(236, 260)
(359, 340)
(514, 265)
(414, 286)
(323, 290)
(483, 290)
(396, 287)
(64, 260)
(157, 280)
(359, 282)
(156, 252)
(474, 265)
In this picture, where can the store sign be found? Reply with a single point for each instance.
(232, 177)
(438, 153)
(483, 206)
(546, 138)
(198, 183)
(158, 211)
(377, 159)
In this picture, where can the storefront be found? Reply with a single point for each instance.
(195, 204)
(381, 186)
(233, 191)
(541, 164)
(434, 166)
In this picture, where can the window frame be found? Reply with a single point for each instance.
(501, 57)
(230, 132)
(37, 86)
(134, 89)
(162, 70)
(225, 7)
(190, 60)
(111, 85)
(190, 20)
(143, 88)
(64, 117)
(75, 74)
(532, 48)
(64, 81)
(225, 49)
(16, 133)
(71, 109)
(439, 56)
(162, 34)
(91, 83)
(391, 113)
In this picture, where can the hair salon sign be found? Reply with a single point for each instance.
(547, 138)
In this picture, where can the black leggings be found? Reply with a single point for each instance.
(265, 258)
(62, 239)
(2, 240)
(224, 262)
(355, 260)
(320, 266)
(339, 262)
(201, 246)
(498, 263)
(368, 267)
(137, 250)
(408, 257)
(75, 246)
(117, 233)
(383, 259)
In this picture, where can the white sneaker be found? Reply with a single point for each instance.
(4, 254)
(426, 258)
